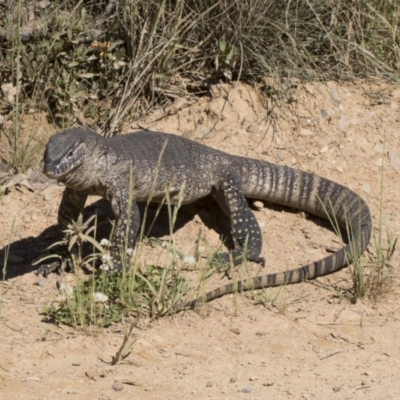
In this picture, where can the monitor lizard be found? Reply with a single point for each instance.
(90, 164)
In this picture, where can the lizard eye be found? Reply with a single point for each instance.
(70, 154)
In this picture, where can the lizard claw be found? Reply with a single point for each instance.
(46, 269)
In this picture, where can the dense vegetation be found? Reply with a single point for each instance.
(103, 62)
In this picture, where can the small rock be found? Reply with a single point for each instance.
(253, 378)
(306, 132)
(258, 205)
(324, 149)
(209, 384)
(366, 188)
(324, 114)
(42, 282)
(380, 162)
(117, 386)
(76, 364)
(394, 160)
(339, 169)
(33, 379)
(261, 333)
(334, 94)
(245, 389)
(149, 389)
(346, 121)
(233, 379)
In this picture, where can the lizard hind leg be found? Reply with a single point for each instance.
(246, 231)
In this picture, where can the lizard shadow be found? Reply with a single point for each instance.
(16, 258)
(23, 252)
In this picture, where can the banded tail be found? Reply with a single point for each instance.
(315, 195)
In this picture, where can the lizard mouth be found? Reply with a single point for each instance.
(49, 174)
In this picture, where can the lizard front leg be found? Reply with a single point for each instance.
(71, 206)
(127, 224)
(246, 232)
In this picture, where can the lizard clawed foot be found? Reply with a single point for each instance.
(55, 266)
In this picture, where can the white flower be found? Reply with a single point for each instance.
(130, 252)
(104, 242)
(104, 267)
(67, 289)
(190, 260)
(99, 297)
(105, 258)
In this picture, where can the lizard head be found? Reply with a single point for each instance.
(64, 153)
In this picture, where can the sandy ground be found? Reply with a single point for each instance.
(303, 341)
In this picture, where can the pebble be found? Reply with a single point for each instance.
(394, 160)
(366, 188)
(380, 162)
(258, 205)
(324, 149)
(209, 384)
(245, 389)
(334, 94)
(233, 379)
(33, 379)
(306, 132)
(42, 282)
(117, 386)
